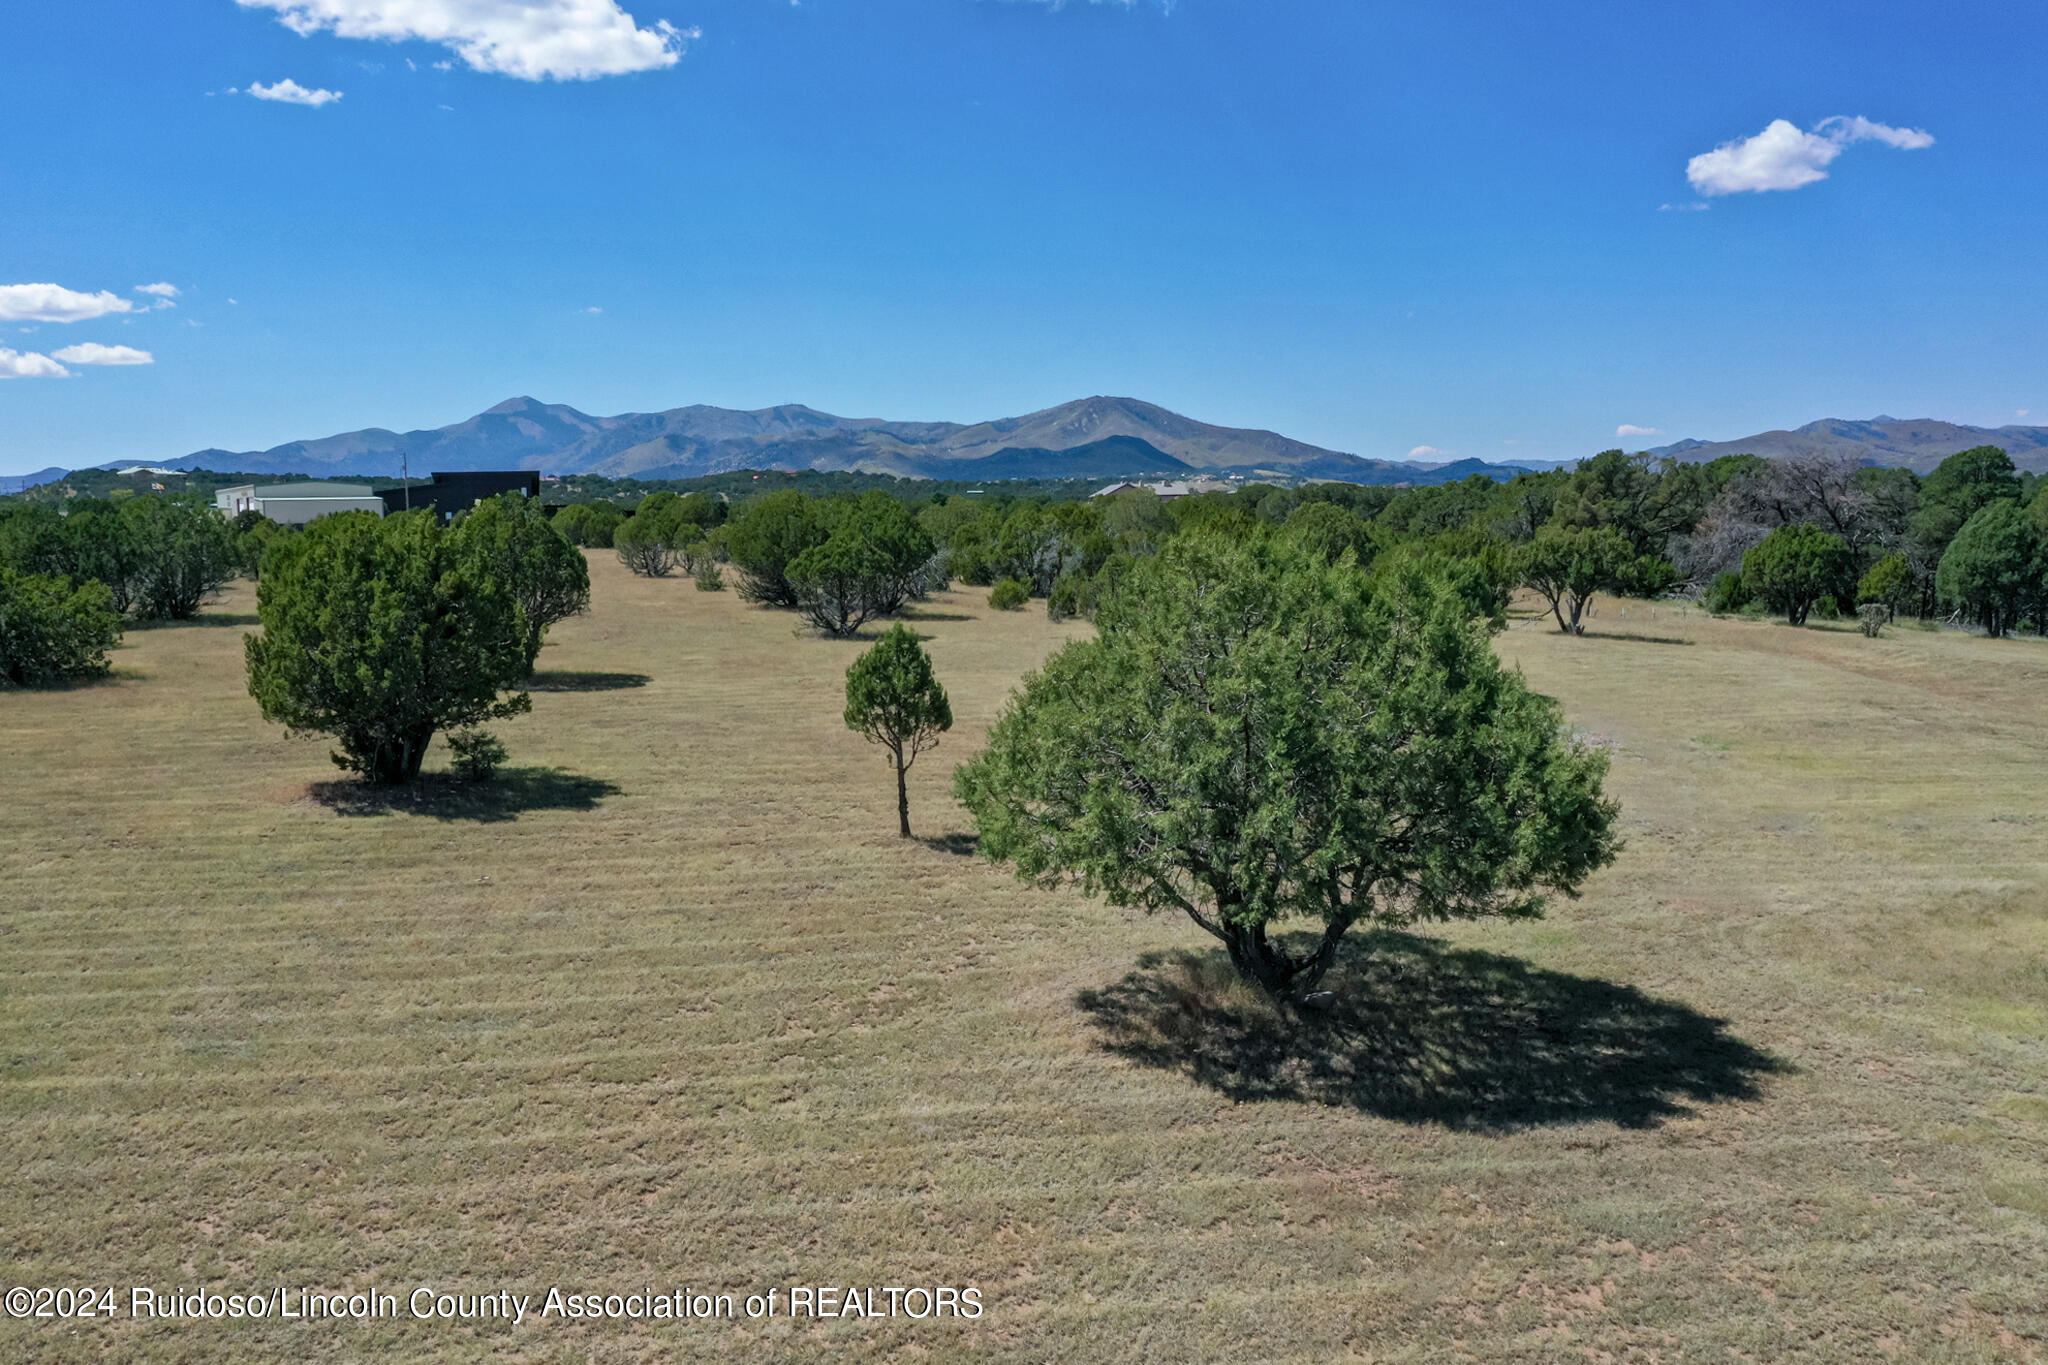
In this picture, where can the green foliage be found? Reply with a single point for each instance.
(514, 542)
(1794, 567)
(766, 536)
(646, 544)
(1330, 532)
(1072, 595)
(1256, 736)
(870, 562)
(478, 754)
(1888, 582)
(253, 534)
(589, 524)
(1568, 567)
(709, 577)
(381, 632)
(1478, 569)
(1960, 486)
(1727, 594)
(1994, 569)
(893, 697)
(1009, 595)
(1648, 501)
(53, 630)
(183, 553)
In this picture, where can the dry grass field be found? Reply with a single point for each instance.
(674, 1007)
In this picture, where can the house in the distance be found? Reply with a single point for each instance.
(448, 494)
(1167, 491)
(295, 504)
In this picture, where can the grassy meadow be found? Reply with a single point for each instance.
(673, 1006)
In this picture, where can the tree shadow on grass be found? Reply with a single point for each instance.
(204, 618)
(1633, 636)
(1424, 1032)
(958, 844)
(512, 793)
(557, 680)
(919, 614)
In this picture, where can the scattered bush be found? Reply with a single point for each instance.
(516, 544)
(53, 630)
(478, 754)
(647, 547)
(1994, 570)
(381, 632)
(1239, 743)
(1872, 616)
(1726, 593)
(894, 699)
(766, 537)
(1072, 595)
(709, 577)
(1794, 567)
(1010, 595)
(1889, 581)
(183, 554)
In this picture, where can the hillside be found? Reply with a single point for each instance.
(1918, 444)
(1092, 437)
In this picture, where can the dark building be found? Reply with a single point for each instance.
(448, 494)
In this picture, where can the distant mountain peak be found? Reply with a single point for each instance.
(523, 403)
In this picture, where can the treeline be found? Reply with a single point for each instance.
(742, 484)
(69, 580)
(1796, 537)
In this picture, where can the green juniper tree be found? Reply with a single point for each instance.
(381, 632)
(1257, 736)
(1794, 567)
(893, 698)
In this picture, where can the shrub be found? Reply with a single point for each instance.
(766, 538)
(478, 754)
(1994, 569)
(382, 632)
(517, 545)
(183, 554)
(646, 545)
(1726, 593)
(893, 698)
(1872, 617)
(709, 577)
(1889, 581)
(1794, 567)
(53, 630)
(1009, 595)
(1257, 736)
(1072, 595)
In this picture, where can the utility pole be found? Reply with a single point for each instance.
(405, 473)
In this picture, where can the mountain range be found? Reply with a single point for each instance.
(1918, 443)
(1093, 438)
(1089, 438)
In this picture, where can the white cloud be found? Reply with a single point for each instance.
(54, 303)
(289, 91)
(1630, 429)
(29, 365)
(162, 291)
(1697, 206)
(532, 40)
(593, 310)
(1427, 453)
(92, 353)
(1782, 157)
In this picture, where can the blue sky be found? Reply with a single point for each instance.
(1374, 226)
